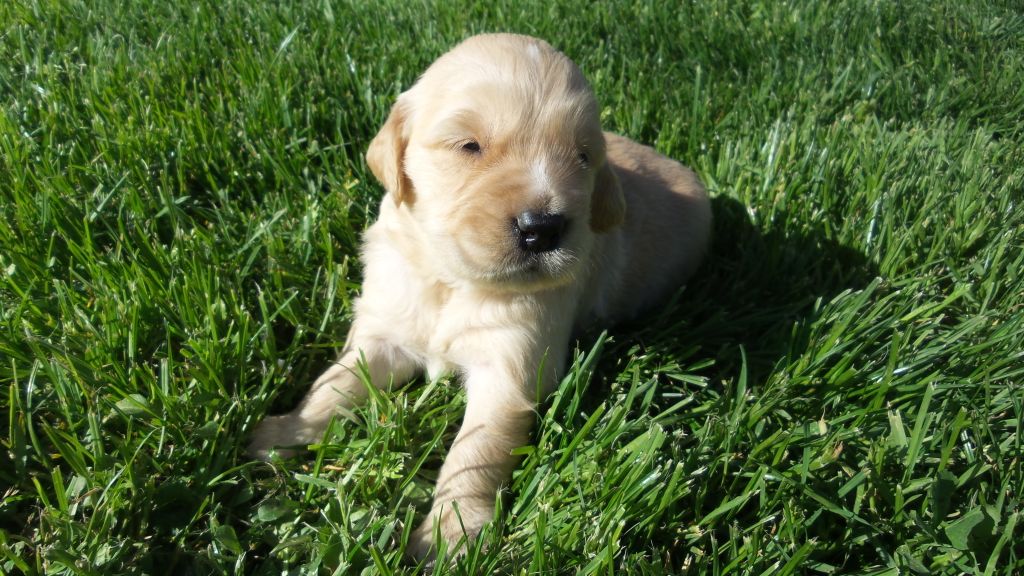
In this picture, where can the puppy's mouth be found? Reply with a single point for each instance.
(524, 270)
(524, 253)
(540, 256)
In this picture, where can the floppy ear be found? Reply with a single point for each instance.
(608, 205)
(386, 155)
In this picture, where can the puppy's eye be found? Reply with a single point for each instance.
(584, 159)
(472, 147)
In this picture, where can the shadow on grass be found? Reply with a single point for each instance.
(751, 298)
(753, 289)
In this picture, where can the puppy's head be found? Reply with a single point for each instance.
(497, 155)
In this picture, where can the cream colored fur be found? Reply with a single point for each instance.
(447, 286)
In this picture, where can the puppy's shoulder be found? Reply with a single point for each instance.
(400, 302)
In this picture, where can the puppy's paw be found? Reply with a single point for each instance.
(457, 528)
(278, 434)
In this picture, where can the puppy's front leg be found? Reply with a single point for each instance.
(499, 415)
(338, 388)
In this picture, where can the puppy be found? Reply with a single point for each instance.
(510, 220)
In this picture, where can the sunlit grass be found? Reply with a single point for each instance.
(182, 192)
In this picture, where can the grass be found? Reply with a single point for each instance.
(840, 390)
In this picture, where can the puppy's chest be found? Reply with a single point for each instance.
(451, 330)
(449, 326)
(467, 328)
(437, 332)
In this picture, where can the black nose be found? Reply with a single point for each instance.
(539, 232)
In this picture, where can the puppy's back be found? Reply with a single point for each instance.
(667, 227)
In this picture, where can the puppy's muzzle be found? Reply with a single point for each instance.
(539, 232)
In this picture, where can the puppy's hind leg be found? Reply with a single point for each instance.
(340, 387)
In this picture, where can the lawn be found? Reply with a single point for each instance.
(839, 390)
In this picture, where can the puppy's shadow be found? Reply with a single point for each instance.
(755, 285)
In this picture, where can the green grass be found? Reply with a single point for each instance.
(840, 390)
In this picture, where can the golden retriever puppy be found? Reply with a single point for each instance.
(510, 219)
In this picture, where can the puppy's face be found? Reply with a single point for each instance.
(498, 156)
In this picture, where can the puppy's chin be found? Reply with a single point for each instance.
(490, 257)
(524, 272)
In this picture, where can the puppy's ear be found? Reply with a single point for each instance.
(608, 205)
(386, 155)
